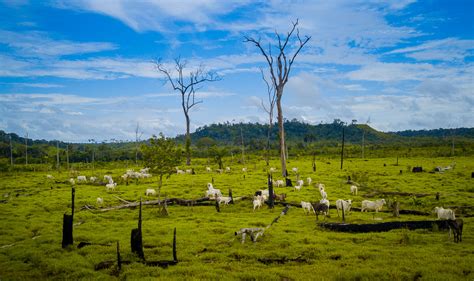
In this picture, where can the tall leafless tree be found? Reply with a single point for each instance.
(26, 149)
(269, 110)
(138, 135)
(186, 84)
(280, 67)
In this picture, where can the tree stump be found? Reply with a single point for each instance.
(218, 209)
(119, 259)
(175, 255)
(137, 243)
(396, 209)
(68, 223)
(67, 230)
(417, 169)
(231, 197)
(270, 192)
(136, 240)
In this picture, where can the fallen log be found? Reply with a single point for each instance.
(385, 226)
(204, 201)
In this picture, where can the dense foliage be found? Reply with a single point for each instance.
(302, 139)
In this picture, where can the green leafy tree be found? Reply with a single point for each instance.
(218, 153)
(161, 155)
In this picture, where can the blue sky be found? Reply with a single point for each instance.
(75, 70)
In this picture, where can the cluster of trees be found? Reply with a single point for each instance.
(216, 140)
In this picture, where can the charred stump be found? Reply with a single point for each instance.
(218, 208)
(136, 237)
(270, 192)
(175, 255)
(417, 169)
(231, 197)
(119, 259)
(396, 209)
(68, 224)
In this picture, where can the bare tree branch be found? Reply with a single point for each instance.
(279, 74)
(186, 85)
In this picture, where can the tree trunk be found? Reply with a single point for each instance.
(160, 182)
(188, 140)
(267, 156)
(281, 132)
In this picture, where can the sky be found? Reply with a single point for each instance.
(75, 70)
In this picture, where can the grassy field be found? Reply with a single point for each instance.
(32, 208)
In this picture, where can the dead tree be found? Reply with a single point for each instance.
(137, 141)
(280, 67)
(269, 110)
(186, 85)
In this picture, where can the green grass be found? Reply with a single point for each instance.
(31, 222)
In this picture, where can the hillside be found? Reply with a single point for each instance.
(230, 134)
(299, 135)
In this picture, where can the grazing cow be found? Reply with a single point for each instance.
(150, 192)
(110, 186)
(224, 199)
(342, 204)
(257, 202)
(320, 208)
(354, 189)
(444, 214)
(81, 179)
(373, 206)
(456, 225)
(307, 207)
(279, 183)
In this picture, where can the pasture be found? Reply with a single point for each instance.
(294, 248)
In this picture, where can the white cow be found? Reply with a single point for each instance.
(224, 199)
(307, 207)
(372, 205)
(354, 189)
(257, 202)
(444, 214)
(340, 204)
(279, 183)
(110, 186)
(81, 179)
(150, 192)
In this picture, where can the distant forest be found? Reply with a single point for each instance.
(302, 138)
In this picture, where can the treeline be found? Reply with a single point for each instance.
(231, 138)
(46, 152)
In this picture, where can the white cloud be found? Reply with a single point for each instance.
(34, 85)
(38, 44)
(157, 15)
(399, 71)
(449, 49)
